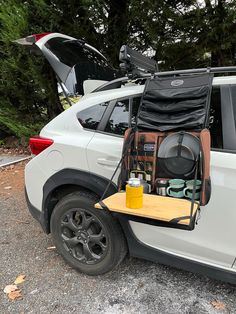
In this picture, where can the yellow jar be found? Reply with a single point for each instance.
(134, 196)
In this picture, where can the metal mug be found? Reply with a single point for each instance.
(161, 187)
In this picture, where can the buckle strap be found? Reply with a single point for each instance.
(180, 141)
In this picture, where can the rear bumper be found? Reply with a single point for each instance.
(36, 213)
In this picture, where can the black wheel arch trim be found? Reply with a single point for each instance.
(141, 250)
(36, 213)
(90, 181)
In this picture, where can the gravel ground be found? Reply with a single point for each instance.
(51, 286)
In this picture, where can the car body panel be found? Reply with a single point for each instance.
(213, 239)
(70, 142)
(58, 156)
(104, 161)
(212, 242)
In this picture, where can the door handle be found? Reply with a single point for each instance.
(107, 162)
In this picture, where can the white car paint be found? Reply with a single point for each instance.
(213, 239)
(211, 242)
(71, 140)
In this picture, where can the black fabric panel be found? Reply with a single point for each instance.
(164, 122)
(165, 107)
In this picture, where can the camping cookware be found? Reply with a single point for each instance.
(177, 155)
(188, 191)
(176, 188)
(161, 186)
(142, 176)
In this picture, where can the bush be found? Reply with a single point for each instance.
(11, 123)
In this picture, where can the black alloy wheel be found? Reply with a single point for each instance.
(90, 240)
(83, 236)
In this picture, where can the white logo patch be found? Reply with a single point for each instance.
(177, 83)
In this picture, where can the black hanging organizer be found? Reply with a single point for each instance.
(176, 103)
(170, 105)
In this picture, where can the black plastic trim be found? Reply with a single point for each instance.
(84, 179)
(228, 119)
(141, 250)
(36, 213)
(114, 84)
(106, 115)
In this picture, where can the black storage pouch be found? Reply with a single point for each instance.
(183, 168)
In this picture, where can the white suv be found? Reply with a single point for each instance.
(76, 155)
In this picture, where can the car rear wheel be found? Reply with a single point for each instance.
(89, 239)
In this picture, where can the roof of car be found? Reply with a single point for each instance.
(130, 90)
(119, 92)
(133, 89)
(223, 80)
(104, 96)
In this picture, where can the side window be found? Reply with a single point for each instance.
(119, 119)
(233, 94)
(134, 110)
(90, 117)
(216, 119)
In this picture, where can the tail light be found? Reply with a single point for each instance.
(38, 144)
(30, 40)
(39, 36)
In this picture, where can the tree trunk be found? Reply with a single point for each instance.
(218, 19)
(54, 106)
(217, 58)
(117, 32)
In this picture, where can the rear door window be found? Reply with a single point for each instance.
(90, 118)
(233, 94)
(123, 115)
(119, 119)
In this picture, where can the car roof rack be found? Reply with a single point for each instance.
(139, 68)
(117, 83)
(214, 70)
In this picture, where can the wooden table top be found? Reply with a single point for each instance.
(154, 206)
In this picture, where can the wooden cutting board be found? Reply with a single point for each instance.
(154, 207)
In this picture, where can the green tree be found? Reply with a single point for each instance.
(16, 88)
(185, 33)
(179, 34)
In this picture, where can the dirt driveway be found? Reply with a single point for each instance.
(51, 286)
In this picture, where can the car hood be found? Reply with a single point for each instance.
(73, 60)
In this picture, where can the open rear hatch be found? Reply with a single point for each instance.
(73, 60)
